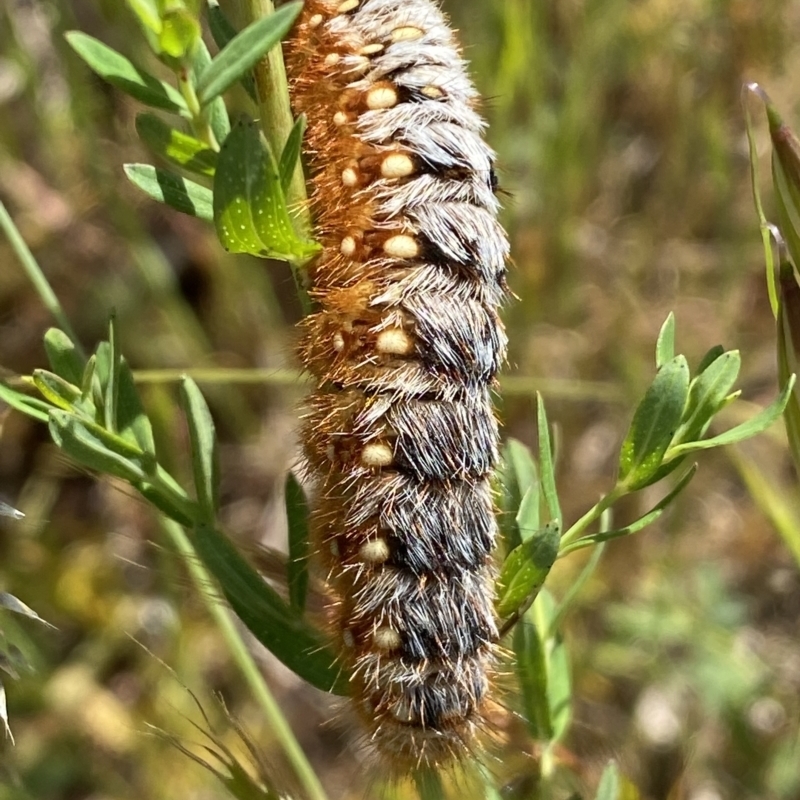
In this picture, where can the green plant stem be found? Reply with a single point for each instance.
(200, 124)
(275, 113)
(37, 278)
(592, 515)
(240, 654)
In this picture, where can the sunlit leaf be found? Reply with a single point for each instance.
(179, 34)
(132, 421)
(98, 449)
(179, 148)
(63, 356)
(547, 465)
(120, 72)
(525, 568)
(665, 344)
(517, 479)
(30, 406)
(205, 455)
(56, 390)
(250, 211)
(146, 11)
(707, 394)
(755, 425)
(244, 50)
(177, 192)
(654, 424)
(710, 357)
(223, 32)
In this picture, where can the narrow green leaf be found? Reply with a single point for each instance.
(710, 357)
(651, 516)
(291, 152)
(707, 395)
(244, 50)
(556, 659)
(546, 462)
(517, 479)
(167, 504)
(608, 789)
(62, 355)
(755, 425)
(223, 32)
(524, 570)
(205, 455)
(280, 629)
(179, 148)
(665, 345)
(654, 424)
(111, 384)
(120, 72)
(531, 670)
(527, 520)
(146, 11)
(30, 406)
(165, 187)
(297, 512)
(87, 381)
(97, 448)
(249, 207)
(102, 371)
(132, 421)
(55, 389)
(216, 111)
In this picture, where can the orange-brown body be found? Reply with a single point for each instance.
(401, 436)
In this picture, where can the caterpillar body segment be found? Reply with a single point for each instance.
(400, 435)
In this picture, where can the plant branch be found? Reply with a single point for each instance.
(37, 278)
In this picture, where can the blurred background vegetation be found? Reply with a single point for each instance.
(623, 159)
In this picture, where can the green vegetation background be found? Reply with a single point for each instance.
(623, 157)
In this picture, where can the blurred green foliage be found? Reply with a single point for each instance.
(622, 150)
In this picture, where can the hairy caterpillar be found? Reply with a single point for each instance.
(401, 435)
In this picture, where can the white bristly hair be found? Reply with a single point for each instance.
(400, 436)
